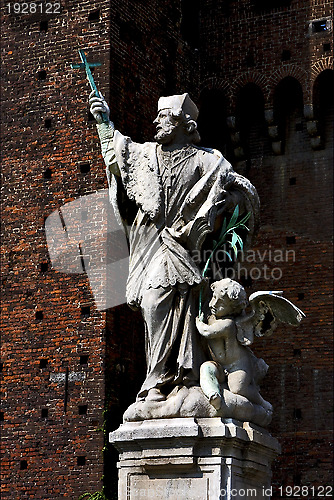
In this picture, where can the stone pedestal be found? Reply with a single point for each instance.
(194, 459)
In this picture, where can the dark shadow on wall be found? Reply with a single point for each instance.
(212, 121)
(323, 102)
(125, 370)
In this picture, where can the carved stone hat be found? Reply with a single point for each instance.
(177, 103)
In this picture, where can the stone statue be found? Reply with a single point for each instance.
(230, 330)
(170, 195)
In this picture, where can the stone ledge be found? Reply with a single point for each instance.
(202, 457)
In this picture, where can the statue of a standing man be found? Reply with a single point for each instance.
(169, 195)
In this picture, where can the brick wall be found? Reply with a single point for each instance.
(55, 343)
(52, 350)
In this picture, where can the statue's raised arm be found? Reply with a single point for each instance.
(106, 130)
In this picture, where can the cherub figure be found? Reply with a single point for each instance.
(229, 331)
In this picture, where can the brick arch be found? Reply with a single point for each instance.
(218, 84)
(250, 77)
(319, 67)
(294, 71)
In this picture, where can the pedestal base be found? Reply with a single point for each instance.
(194, 459)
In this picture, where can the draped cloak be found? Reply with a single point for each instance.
(175, 203)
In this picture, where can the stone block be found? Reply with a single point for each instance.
(211, 458)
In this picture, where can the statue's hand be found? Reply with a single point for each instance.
(98, 105)
(199, 322)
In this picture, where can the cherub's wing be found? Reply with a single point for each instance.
(271, 307)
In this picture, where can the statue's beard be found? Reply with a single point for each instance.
(165, 135)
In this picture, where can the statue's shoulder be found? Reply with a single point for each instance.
(210, 152)
(211, 159)
(125, 141)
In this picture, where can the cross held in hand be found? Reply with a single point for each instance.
(86, 65)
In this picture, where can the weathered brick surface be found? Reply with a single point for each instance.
(243, 48)
(144, 55)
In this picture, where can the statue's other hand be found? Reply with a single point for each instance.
(98, 105)
(199, 323)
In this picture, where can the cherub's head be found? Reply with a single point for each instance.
(229, 298)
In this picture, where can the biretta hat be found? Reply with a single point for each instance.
(177, 103)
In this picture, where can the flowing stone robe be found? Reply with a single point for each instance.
(175, 199)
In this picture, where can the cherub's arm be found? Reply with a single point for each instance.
(218, 328)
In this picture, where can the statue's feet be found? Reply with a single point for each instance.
(216, 400)
(155, 395)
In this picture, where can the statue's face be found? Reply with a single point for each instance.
(167, 127)
(220, 304)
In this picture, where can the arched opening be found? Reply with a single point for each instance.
(323, 102)
(252, 125)
(212, 121)
(288, 112)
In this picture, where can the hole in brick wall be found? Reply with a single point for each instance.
(290, 240)
(84, 168)
(47, 173)
(43, 363)
(85, 311)
(326, 47)
(297, 479)
(1, 367)
(286, 55)
(301, 296)
(84, 359)
(95, 423)
(249, 61)
(23, 464)
(47, 123)
(44, 267)
(2, 416)
(82, 409)
(319, 26)
(297, 353)
(39, 315)
(81, 460)
(297, 413)
(94, 15)
(292, 181)
(41, 75)
(44, 412)
(90, 117)
(299, 126)
(43, 26)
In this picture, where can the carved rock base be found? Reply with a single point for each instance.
(194, 459)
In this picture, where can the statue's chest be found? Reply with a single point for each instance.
(179, 171)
